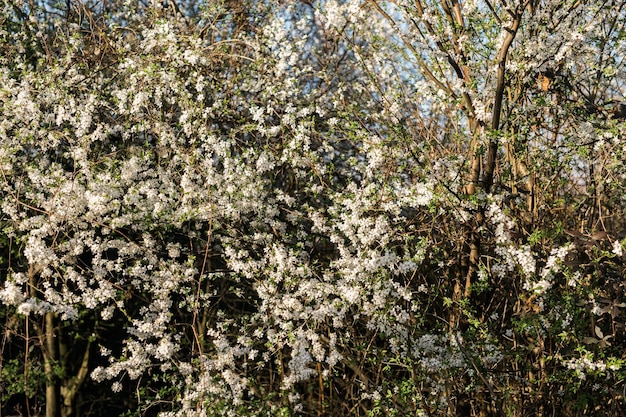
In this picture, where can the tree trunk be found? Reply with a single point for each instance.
(70, 386)
(50, 354)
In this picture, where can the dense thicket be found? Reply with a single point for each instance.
(312, 208)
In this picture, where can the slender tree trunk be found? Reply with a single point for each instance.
(70, 387)
(50, 354)
(47, 341)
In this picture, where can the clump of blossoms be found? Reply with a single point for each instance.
(162, 195)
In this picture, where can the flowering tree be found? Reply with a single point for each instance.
(524, 94)
(342, 208)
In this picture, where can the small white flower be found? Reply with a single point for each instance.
(618, 248)
(107, 313)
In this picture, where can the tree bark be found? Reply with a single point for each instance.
(70, 387)
(50, 354)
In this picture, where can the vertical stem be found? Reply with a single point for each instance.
(492, 151)
(322, 411)
(26, 354)
(70, 387)
(32, 285)
(50, 353)
(498, 99)
(199, 328)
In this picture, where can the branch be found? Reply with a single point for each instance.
(425, 69)
(499, 97)
(493, 11)
(496, 403)
(70, 388)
